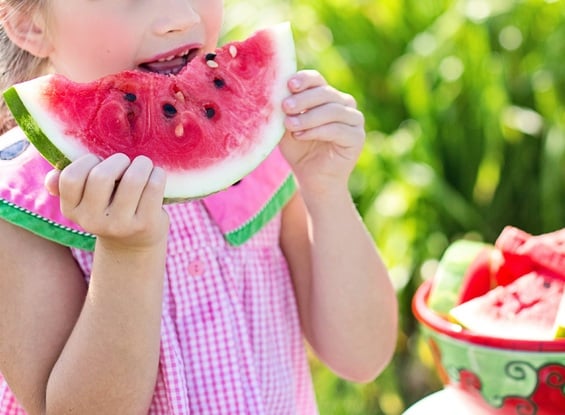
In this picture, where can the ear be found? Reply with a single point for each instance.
(26, 29)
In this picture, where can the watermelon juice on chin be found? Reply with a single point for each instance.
(491, 319)
(207, 126)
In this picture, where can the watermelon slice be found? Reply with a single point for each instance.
(453, 274)
(524, 309)
(524, 253)
(208, 126)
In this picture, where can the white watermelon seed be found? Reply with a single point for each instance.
(179, 131)
(180, 96)
(212, 64)
(233, 51)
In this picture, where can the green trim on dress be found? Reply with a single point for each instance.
(45, 228)
(242, 234)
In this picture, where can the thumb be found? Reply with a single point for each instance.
(51, 182)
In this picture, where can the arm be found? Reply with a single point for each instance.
(346, 300)
(68, 349)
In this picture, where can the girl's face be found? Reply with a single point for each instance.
(92, 38)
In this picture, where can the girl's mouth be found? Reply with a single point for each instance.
(170, 65)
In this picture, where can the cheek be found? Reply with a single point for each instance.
(84, 51)
(85, 57)
(211, 12)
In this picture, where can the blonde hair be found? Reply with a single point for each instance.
(16, 64)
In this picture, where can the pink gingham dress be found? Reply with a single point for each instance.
(230, 336)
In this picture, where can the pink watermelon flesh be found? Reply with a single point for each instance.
(171, 119)
(524, 309)
(524, 253)
(221, 113)
(478, 278)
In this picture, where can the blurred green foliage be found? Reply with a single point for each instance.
(464, 107)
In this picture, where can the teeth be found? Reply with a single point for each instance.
(170, 58)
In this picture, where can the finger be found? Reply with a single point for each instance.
(326, 114)
(315, 97)
(152, 197)
(51, 182)
(131, 186)
(305, 79)
(101, 182)
(338, 134)
(72, 180)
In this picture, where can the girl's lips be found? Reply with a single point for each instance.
(171, 62)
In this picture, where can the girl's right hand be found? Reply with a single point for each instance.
(118, 200)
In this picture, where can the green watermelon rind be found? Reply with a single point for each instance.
(447, 282)
(33, 131)
(45, 228)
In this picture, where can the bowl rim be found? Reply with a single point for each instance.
(436, 322)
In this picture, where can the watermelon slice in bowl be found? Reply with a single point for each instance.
(503, 355)
(208, 126)
(524, 309)
(496, 374)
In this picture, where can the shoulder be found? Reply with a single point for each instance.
(18, 245)
(294, 225)
(31, 264)
(29, 261)
(41, 292)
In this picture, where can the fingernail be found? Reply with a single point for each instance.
(294, 83)
(290, 103)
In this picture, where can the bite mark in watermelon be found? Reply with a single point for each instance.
(208, 126)
(524, 309)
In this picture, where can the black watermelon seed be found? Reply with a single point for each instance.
(546, 284)
(210, 56)
(219, 83)
(130, 97)
(169, 110)
(210, 112)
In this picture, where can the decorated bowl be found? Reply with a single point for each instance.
(500, 376)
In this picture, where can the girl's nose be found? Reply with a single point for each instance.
(175, 16)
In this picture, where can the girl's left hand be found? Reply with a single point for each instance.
(324, 133)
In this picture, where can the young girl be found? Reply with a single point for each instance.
(165, 313)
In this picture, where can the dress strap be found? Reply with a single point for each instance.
(240, 211)
(243, 209)
(25, 202)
